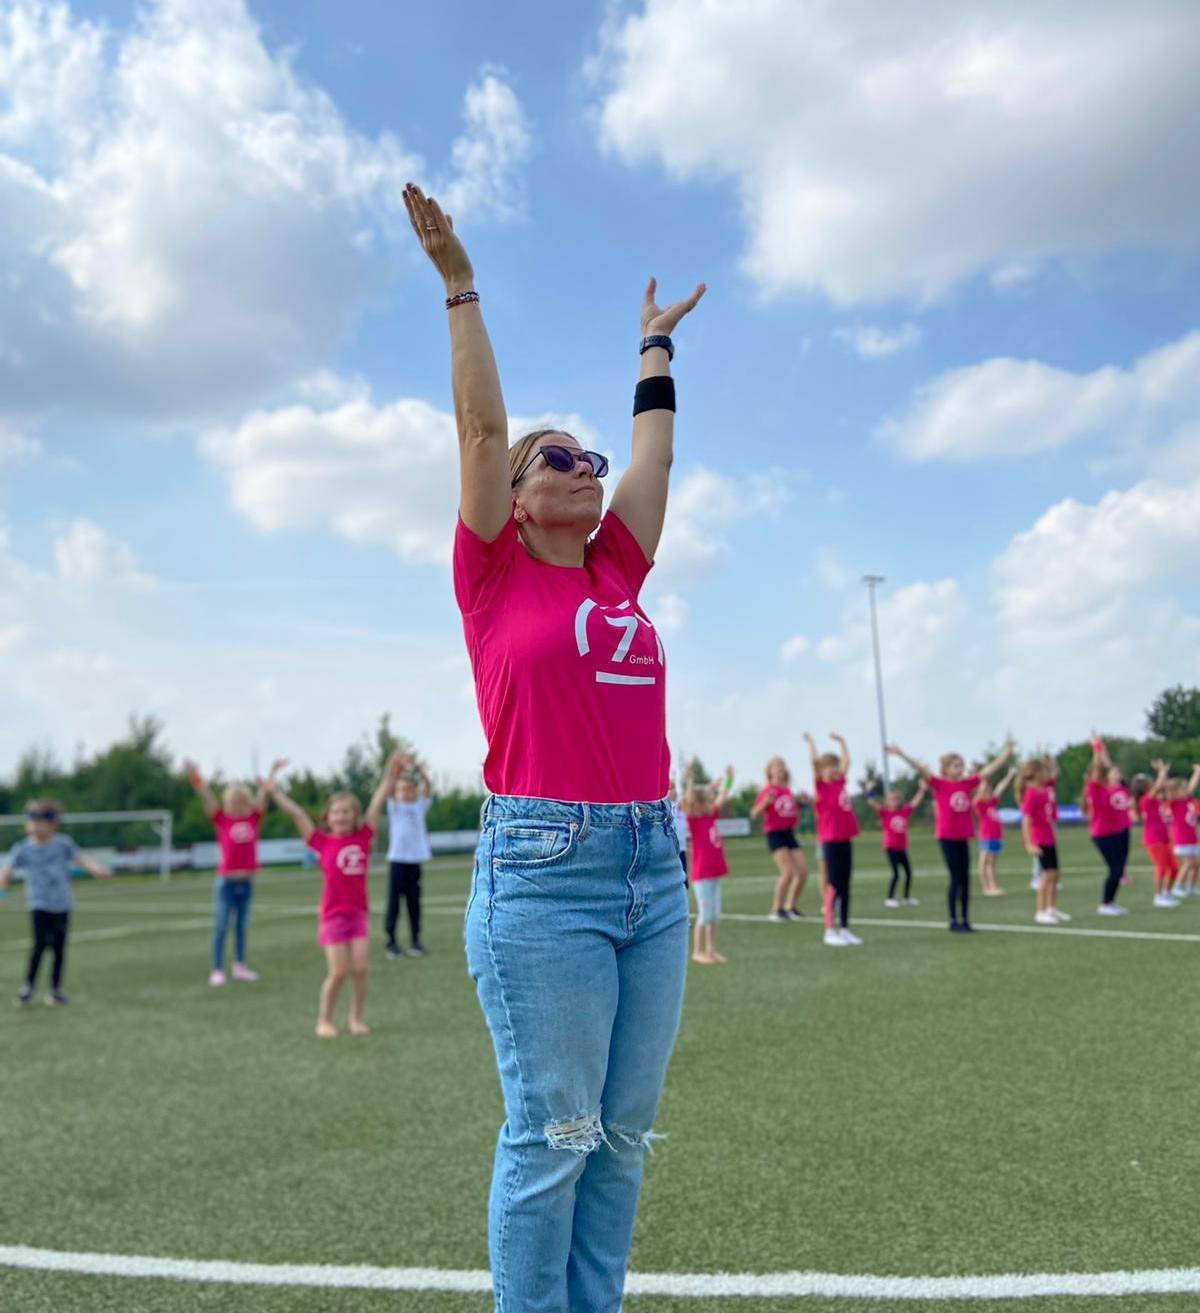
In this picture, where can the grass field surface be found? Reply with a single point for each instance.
(926, 1105)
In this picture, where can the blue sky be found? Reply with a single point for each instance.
(949, 338)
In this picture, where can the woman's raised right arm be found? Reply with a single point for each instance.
(486, 494)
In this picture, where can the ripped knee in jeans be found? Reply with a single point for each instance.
(584, 1135)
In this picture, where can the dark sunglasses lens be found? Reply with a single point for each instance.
(598, 463)
(43, 815)
(561, 459)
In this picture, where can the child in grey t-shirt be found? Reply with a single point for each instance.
(44, 859)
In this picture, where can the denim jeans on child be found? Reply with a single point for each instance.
(230, 897)
(576, 935)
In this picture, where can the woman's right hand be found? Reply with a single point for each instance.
(435, 232)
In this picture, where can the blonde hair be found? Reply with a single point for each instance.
(829, 759)
(772, 762)
(231, 791)
(343, 797)
(524, 447)
(1027, 773)
(946, 758)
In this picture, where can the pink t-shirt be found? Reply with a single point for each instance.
(1183, 821)
(708, 852)
(1156, 820)
(895, 828)
(1039, 805)
(570, 674)
(345, 863)
(237, 837)
(952, 817)
(836, 820)
(991, 827)
(1109, 806)
(782, 812)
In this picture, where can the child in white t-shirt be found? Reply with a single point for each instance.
(408, 847)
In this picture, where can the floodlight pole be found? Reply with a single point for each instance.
(872, 581)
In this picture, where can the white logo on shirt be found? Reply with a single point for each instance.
(1119, 801)
(628, 625)
(785, 804)
(714, 835)
(959, 802)
(352, 860)
(844, 801)
(899, 824)
(241, 832)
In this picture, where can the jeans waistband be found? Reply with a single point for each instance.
(587, 815)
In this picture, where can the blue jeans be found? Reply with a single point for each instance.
(576, 936)
(230, 898)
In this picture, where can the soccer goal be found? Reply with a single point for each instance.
(148, 857)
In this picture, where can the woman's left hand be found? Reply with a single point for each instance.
(656, 320)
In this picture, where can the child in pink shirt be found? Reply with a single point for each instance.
(1149, 796)
(991, 831)
(702, 805)
(343, 847)
(1039, 814)
(894, 814)
(837, 826)
(1184, 815)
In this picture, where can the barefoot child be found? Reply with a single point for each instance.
(780, 809)
(44, 859)
(991, 831)
(343, 845)
(237, 821)
(954, 826)
(894, 814)
(1184, 815)
(702, 805)
(837, 826)
(408, 847)
(1039, 814)
(1150, 799)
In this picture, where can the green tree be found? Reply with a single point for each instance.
(1175, 714)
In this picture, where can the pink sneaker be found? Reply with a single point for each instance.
(217, 977)
(242, 972)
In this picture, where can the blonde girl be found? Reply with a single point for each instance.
(1039, 814)
(780, 810)
(702, 805)
(991, 830)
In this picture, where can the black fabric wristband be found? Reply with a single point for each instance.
(657, 393)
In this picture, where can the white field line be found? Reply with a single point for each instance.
(780, 1285)
(1070, 932)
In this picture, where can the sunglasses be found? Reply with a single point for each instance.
(49, 814)
(564, 460)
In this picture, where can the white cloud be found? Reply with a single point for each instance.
(487, 159)
(87, 555)
(870, 342)
(16, 448)
(793, 649)
(669, 612)
(189, 223)
(1006, 407)
(886, 151)
(919, 624)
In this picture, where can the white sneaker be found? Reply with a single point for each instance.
(911, 902)
(1165, 900)
(1045, 918)
(852, 940)
(1111, 909)
(891, 902)
(1059, 916)
(833, 939)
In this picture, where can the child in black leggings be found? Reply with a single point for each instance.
(894, 814)
(44, 859)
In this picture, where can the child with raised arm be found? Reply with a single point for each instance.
(837, 826)
(894, 814)
(1150, 799)
(44, 859)
(780, 810)
(953, 790)
(343, 845)
(1184, 834)
(991, 830)
(1108, 805)
(408, 847)
(702, 805)
(237, 821)
(1039, 815)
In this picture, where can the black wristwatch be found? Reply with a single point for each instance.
(658, 339)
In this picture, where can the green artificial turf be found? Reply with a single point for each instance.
(927, 1104)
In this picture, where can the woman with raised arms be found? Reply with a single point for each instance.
(576, 928)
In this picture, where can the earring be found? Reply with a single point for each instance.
(521, 517)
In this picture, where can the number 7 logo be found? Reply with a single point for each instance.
(629, 624)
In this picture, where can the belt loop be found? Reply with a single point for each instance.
(484, 810)
(587, 818)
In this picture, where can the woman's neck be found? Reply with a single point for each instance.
(554, 546)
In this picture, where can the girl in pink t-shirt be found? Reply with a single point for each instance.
(1108, 805)
(991, 830)
(953, 824)
(237, 821)
(894, 815)
(343, 846)
(1185, 815)
(1150, 801)
(702, 805)
(837, 826)
(780, 810)
(1039, 815)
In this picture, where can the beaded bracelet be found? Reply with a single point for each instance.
(463, 298)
